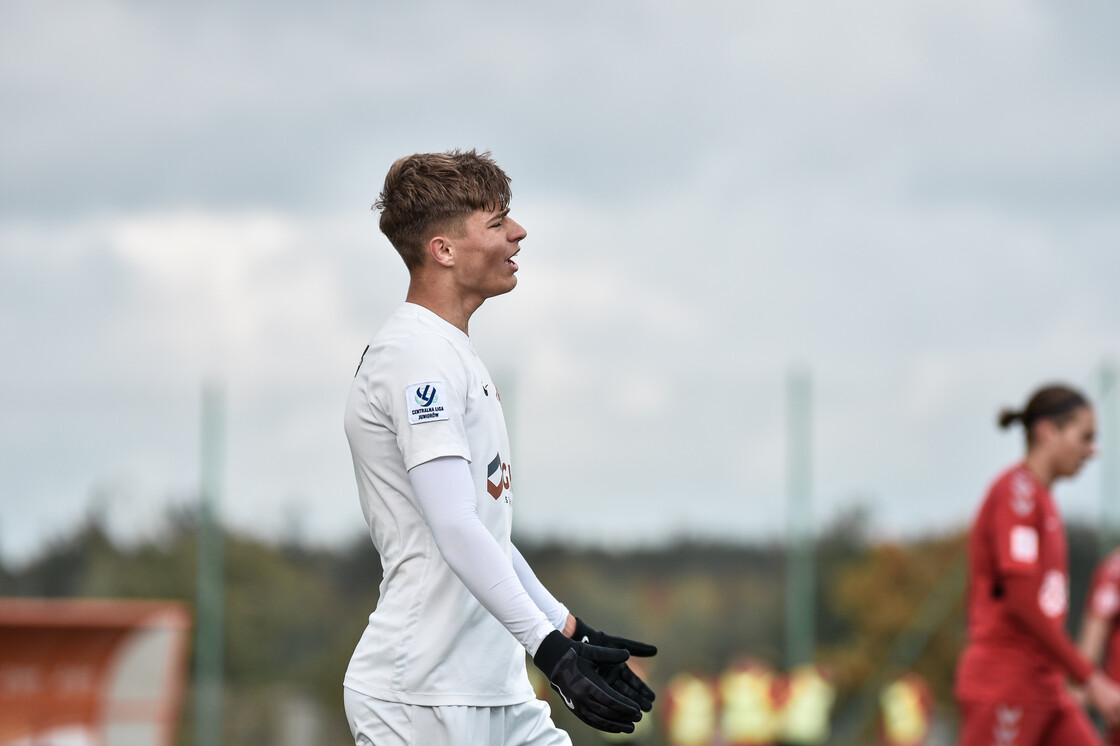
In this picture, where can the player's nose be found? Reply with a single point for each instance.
(516, 231)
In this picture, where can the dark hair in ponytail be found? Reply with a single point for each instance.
(1008, 416)
(1056, 403)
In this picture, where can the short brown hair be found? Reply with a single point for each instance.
(426, 193)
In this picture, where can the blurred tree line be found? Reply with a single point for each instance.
(293, 614)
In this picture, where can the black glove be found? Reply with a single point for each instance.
(573, 670)
(584, 633)
(619, 675)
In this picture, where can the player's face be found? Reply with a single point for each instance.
(1075, 442)
(484, 258)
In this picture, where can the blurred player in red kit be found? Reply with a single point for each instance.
(1011, 678)
(1100, 626)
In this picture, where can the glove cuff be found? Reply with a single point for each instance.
(550, 651)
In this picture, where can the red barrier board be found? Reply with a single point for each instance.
(91, 672)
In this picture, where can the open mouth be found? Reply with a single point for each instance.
(511, 262)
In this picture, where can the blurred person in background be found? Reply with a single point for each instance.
(442, 660)
(1011, 677)
(1100, 626)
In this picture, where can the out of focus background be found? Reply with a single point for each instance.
(785, 262)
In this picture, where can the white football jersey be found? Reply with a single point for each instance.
(421, 392)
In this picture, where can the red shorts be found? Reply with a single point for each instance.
(1025, 724)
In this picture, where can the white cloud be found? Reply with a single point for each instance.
(915, 201)
(255, 301)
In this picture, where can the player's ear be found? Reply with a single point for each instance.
(441, 250)
(1044, 430)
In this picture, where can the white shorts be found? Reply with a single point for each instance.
(375, 722)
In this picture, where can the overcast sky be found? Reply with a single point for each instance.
(916, 202)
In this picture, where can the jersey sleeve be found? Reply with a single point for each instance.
(422, 392)
(1015, 524)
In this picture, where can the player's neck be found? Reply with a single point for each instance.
(448, 306)
(1038, 464)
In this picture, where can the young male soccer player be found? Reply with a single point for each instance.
(442, 660)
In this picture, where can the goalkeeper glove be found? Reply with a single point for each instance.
(573, 669)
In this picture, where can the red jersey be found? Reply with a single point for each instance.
(1104, 602)
(1017, 532)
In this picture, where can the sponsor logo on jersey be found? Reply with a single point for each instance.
(1053, 596)
(424, 403)
(1024, 544)
(1005, 730)
(1022, 493)
(498, 477)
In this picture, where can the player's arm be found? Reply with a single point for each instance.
(1094, 632)
(619, 676)
(556, 612)
(1096, 626)
(446, 496)
(1090, 641)
(570, 625)
(445, 492)
(1100, 611)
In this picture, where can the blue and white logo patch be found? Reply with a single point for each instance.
(424, 402)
